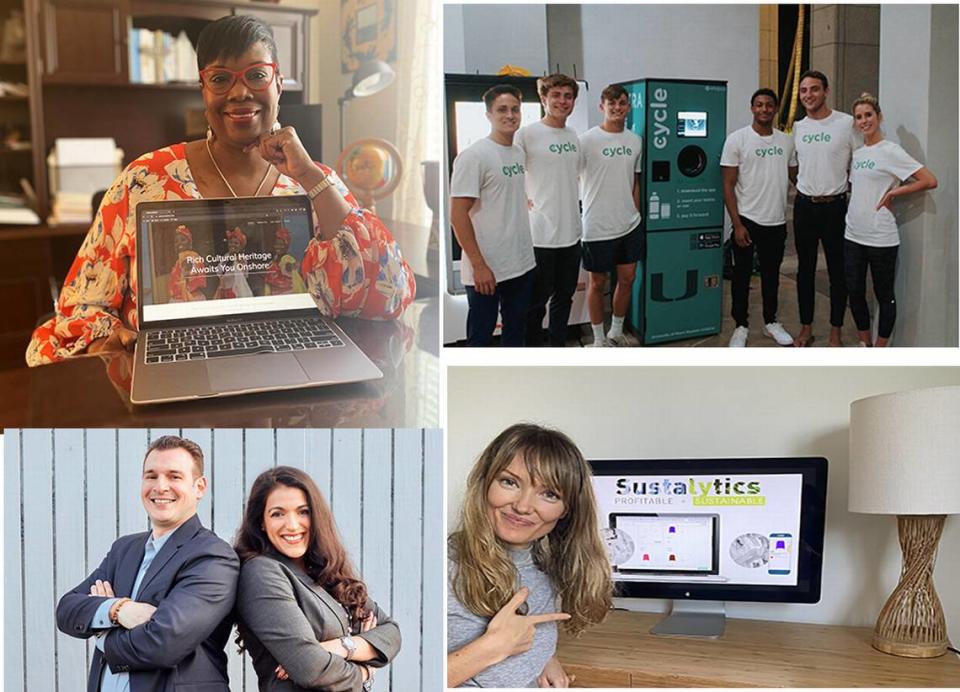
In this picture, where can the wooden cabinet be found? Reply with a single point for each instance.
(84, 41)
(290, 31)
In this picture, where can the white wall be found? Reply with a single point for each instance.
(623, 42)
(619, 43)
(726, 411)
(484, 38)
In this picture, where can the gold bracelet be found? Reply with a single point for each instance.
(320, 187)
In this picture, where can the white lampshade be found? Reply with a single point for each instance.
(905, 453)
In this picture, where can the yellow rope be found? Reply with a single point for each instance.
(795, 64)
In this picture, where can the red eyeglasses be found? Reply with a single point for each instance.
(257, 77)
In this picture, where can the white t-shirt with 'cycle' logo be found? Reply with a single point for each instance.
(762, 178)
(874, 170)
(494, 175)
(824, 148)
(553, 157)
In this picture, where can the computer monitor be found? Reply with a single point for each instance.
(744, 529)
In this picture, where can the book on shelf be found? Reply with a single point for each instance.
(157, 57)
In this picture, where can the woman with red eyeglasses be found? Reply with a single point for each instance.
(351, 265)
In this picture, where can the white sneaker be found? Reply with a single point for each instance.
(618, 340)
(739, 338)
(601, 343)
(776, 332)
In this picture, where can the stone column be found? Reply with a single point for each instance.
(845, 46)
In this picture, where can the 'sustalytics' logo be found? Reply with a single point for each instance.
(719, 491)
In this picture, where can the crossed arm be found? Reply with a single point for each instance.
(267, 605)
(199, 601)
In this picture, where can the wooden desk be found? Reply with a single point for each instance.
(79, 392)
(752, 653)
(32, 255)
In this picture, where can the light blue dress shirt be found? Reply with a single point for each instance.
(120, 682)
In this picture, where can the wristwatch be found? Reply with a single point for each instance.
(368, 683)
(348, 644)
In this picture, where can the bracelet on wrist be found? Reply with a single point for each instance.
(315, 191)
(114, 613)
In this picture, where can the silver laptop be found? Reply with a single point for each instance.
(223, 303)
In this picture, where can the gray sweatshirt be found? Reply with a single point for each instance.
(517, 671)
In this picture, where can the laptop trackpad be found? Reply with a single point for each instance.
(244, 373)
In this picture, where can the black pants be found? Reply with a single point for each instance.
(883, 270)
(820, 223)
(769, 242)
(511, 300)
(555, 280)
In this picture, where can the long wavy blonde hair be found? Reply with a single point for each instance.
(572, 555)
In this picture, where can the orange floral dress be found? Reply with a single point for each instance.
(358, 273)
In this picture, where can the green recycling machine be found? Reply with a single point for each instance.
(679, 287)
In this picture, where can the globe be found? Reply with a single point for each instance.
(371, 168)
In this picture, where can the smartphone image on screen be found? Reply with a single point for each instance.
(781, 553)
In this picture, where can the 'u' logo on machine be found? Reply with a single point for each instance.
(656, 287)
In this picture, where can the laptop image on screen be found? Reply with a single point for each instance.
(223, 302)
(667, 545)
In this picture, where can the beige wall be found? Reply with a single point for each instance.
(716, 412)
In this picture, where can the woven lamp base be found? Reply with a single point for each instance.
(911, 623)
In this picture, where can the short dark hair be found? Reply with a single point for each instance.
(161, 444)
(555, 81)
(491, 94)
(765, 92)
(612, 92)
(231, 37)
(816, 74)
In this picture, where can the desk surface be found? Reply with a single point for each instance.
(79, 393)
(752, 653)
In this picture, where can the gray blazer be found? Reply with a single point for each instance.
(283, 616)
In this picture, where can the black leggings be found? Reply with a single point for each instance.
(883, 270)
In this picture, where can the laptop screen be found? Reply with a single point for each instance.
(668, 542)
(218, 257)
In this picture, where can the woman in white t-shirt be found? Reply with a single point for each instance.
(871, 238)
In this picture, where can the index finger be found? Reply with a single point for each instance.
(518, 598)
(548, 617)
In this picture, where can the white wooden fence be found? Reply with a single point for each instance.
(68, 494)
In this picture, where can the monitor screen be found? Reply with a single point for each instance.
(714, 529)
(691, 124)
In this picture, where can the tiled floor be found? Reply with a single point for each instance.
(789, 312)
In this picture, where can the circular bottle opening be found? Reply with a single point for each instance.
(692, 161)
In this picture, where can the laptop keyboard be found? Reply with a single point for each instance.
(238, 339)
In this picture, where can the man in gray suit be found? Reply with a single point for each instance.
(160, 602)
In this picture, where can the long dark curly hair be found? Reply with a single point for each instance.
(325, 561)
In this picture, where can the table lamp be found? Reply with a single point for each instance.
(373, 76)
(905, 460)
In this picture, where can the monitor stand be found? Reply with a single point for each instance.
(693, 619)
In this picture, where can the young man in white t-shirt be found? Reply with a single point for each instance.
(758, 162)
(488, 209)
(610, 165)
(552, 155)
(824, 140)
